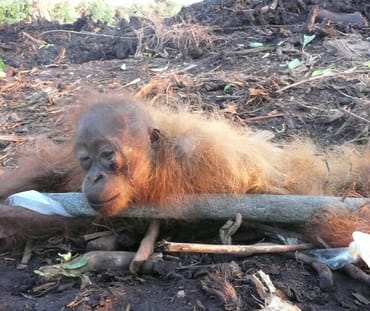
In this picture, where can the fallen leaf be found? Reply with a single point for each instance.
(258, 92)
(322, 72)
(294, 63)
(307, 39)
(160, 69)
(230, 108)
(66, 257)
(255, 44)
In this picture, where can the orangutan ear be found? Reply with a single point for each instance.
(155, 136)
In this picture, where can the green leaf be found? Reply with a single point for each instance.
(49, 274)
(38, 272)
(66, 257)
(307, 39)
(227, 87)
(2, 65)
(352, 69)
(75, 264)
(322, 72)
(294, 63)
(46, 46)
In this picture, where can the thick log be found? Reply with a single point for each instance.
(96, 261)
(264, 208)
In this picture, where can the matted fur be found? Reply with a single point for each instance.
(202, 155)
(198, 155)
(335, 226)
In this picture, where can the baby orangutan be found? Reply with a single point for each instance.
(115, 145)
(132, 153)
(136, 154)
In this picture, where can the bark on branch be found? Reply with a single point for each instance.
(263, 207)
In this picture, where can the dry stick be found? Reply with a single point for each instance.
(12, 138)
(355, 115)
(356, 273)
(37, 41)
(245, 250)
(320, 77)
(96, 235)
(27, 254)
(146, 247)
(355, 18)
(252, 50)
(326, 278)
(104, 243)
(229, 229)
(258, 207)
(318, 15)
(259, 118)
(268, 292)
(85, 33)
(97, 261)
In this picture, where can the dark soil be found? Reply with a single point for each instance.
(202, 60)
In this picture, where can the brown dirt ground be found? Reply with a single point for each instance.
(200, 59)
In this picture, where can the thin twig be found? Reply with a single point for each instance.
(251, 51)
(259, 118)
(321, 77)
(245, 250)
(27, 254)
(37, 41)
(12, 138)
(354, 115)
(229, 229)
(85, 33)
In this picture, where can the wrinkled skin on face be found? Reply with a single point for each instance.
(113, 147)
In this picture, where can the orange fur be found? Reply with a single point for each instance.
(201, 155)
(219, 158)
(335, 226)
(44, 166)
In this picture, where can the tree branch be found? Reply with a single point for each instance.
(258, 207)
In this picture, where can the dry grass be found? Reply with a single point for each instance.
(199, 90)
(184, 37)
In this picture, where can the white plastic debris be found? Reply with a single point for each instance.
(337, 258)
(37, 202)
(362, 244)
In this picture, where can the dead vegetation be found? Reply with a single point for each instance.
(185, 38)
(212, 66)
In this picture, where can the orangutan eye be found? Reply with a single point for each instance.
(107, 155)
(85, 162)
(108, 159)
